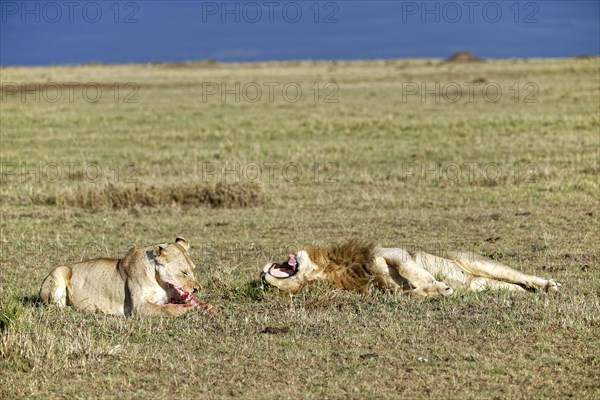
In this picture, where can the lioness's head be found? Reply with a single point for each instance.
(175, 269)
(291, 275)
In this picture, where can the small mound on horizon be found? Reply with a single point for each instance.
(463, 56)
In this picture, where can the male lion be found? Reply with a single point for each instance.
(359, 266)
(152, 281)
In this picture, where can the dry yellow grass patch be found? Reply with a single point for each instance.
(109, 196)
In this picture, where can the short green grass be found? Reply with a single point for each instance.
(514, 180)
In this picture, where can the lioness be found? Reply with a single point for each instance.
(152, 281)
(359, 266)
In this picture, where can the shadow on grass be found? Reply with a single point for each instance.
(12, 310)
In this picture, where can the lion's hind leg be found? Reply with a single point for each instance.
(55, 287)
(480, 267)
(480, 284)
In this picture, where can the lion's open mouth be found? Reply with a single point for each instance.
(184, 297)
(285, 269)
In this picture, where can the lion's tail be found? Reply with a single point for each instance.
(55, 286)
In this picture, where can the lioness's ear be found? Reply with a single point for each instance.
(182, 242)
(159, 248)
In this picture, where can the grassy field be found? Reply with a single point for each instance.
(501, 157)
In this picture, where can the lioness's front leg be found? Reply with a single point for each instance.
(149, 300)
(422, 281)
(175, 310)
(163, 310)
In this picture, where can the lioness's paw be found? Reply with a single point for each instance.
(552, 286)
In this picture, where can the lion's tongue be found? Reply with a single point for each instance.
(292, 261)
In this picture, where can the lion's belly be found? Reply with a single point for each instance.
(97, 285)
(443, 269)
